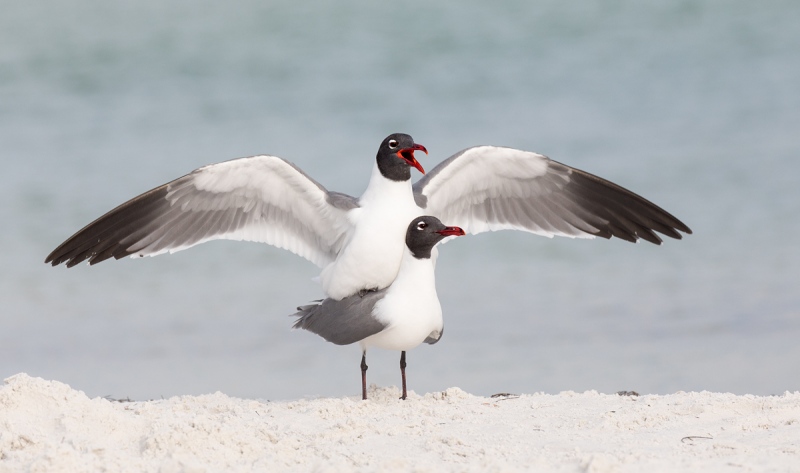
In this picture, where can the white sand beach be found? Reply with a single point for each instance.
(48, 426)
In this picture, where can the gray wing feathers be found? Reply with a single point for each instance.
(342, 322)
(111, 234)
(342, 201)
(434, 337)
(487, 188)
(419, 187)
(618, 211)
(263, 198)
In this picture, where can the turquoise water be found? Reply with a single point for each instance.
(694, 105)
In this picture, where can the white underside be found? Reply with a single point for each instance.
(371, 256)
(410, 308)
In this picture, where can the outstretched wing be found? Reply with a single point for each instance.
(488, 188)
(260, 198)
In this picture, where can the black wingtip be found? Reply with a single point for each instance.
(54, 259)
(633, 216)
(101, 239)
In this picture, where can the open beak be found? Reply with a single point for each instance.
(451, 231)
(407, 155)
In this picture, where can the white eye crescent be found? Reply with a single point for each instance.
(393, 144)
(421, 225)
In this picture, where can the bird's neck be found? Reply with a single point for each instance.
(416, 272)
(380, 189)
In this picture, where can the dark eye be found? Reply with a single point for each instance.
(393, 144)
(422, 225)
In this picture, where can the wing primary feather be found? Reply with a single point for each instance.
(634, 221)
(79, 246)
(537, 220)
(136, 235)
(630, 213)
(575, 224)
(182, 223)
(615, 193)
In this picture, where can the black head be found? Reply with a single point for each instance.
(396, 157)
(425, 232)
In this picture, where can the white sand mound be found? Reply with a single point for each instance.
(48, 426)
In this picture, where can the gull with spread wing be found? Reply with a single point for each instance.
(359, 242)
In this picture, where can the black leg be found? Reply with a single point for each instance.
(364, 376)
(403, 372)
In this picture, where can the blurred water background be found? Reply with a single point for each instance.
(695, 105)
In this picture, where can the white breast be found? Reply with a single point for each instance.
(371, 257)
(410, 308)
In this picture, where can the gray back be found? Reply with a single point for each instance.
(342, 322)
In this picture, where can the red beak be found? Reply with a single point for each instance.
(451, 231)
(407, 155)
